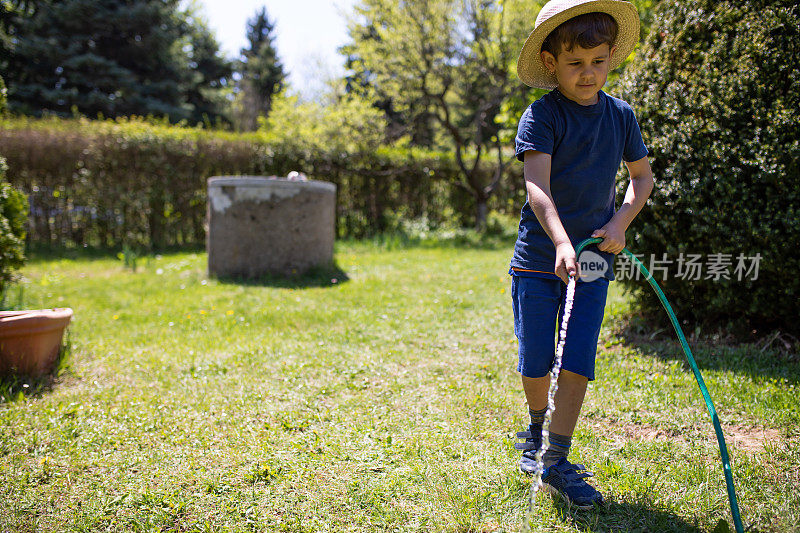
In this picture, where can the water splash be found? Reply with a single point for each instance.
(551, 394)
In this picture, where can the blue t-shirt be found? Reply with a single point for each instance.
(587, 145)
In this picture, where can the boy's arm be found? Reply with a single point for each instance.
(639, 189)
(537, 184)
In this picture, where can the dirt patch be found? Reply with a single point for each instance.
(751, 439)
(745, 438)
(620, 433)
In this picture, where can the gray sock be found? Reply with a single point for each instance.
(537, 417)
(559, 447)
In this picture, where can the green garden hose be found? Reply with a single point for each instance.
(723, 450)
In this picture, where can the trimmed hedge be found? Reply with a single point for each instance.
(135, 183)
(718, 99)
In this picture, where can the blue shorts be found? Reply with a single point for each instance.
(538, 301)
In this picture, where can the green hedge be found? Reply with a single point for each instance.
(132, 182)
(718, 99)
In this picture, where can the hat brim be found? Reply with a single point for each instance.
(530, 67)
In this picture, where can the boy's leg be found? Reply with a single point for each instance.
(536, 304)
(578, 368)
(533, 328)
(568, 400)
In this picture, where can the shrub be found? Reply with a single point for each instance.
(2, 96)
(143, 185)
(718, 99)
(13, 216)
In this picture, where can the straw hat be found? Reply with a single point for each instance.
(530, 67)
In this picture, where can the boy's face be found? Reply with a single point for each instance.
(581, 72)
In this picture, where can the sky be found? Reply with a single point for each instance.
(308, 32)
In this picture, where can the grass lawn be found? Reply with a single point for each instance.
(387, 400)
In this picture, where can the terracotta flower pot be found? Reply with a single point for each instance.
(30, 340)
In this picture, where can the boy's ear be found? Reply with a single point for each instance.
(611, 52)
(549, 61)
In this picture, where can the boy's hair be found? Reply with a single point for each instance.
(587, 31)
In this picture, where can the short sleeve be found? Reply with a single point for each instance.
(634, 145)
(535, 130)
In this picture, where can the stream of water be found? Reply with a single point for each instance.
(551, 395)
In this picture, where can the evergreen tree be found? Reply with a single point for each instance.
(10, 13)
(114, 58)
(209, 75)
(262, 75)
(99, 57)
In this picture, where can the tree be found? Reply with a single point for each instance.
(346, 124)
(112, 58)
(450, 63)
(209, 74)
(10, 11)
(262, 75)
(99, 57)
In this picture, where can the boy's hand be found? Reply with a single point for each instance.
(613, 238)
(566, 263)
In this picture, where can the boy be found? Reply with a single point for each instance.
(571, 141)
